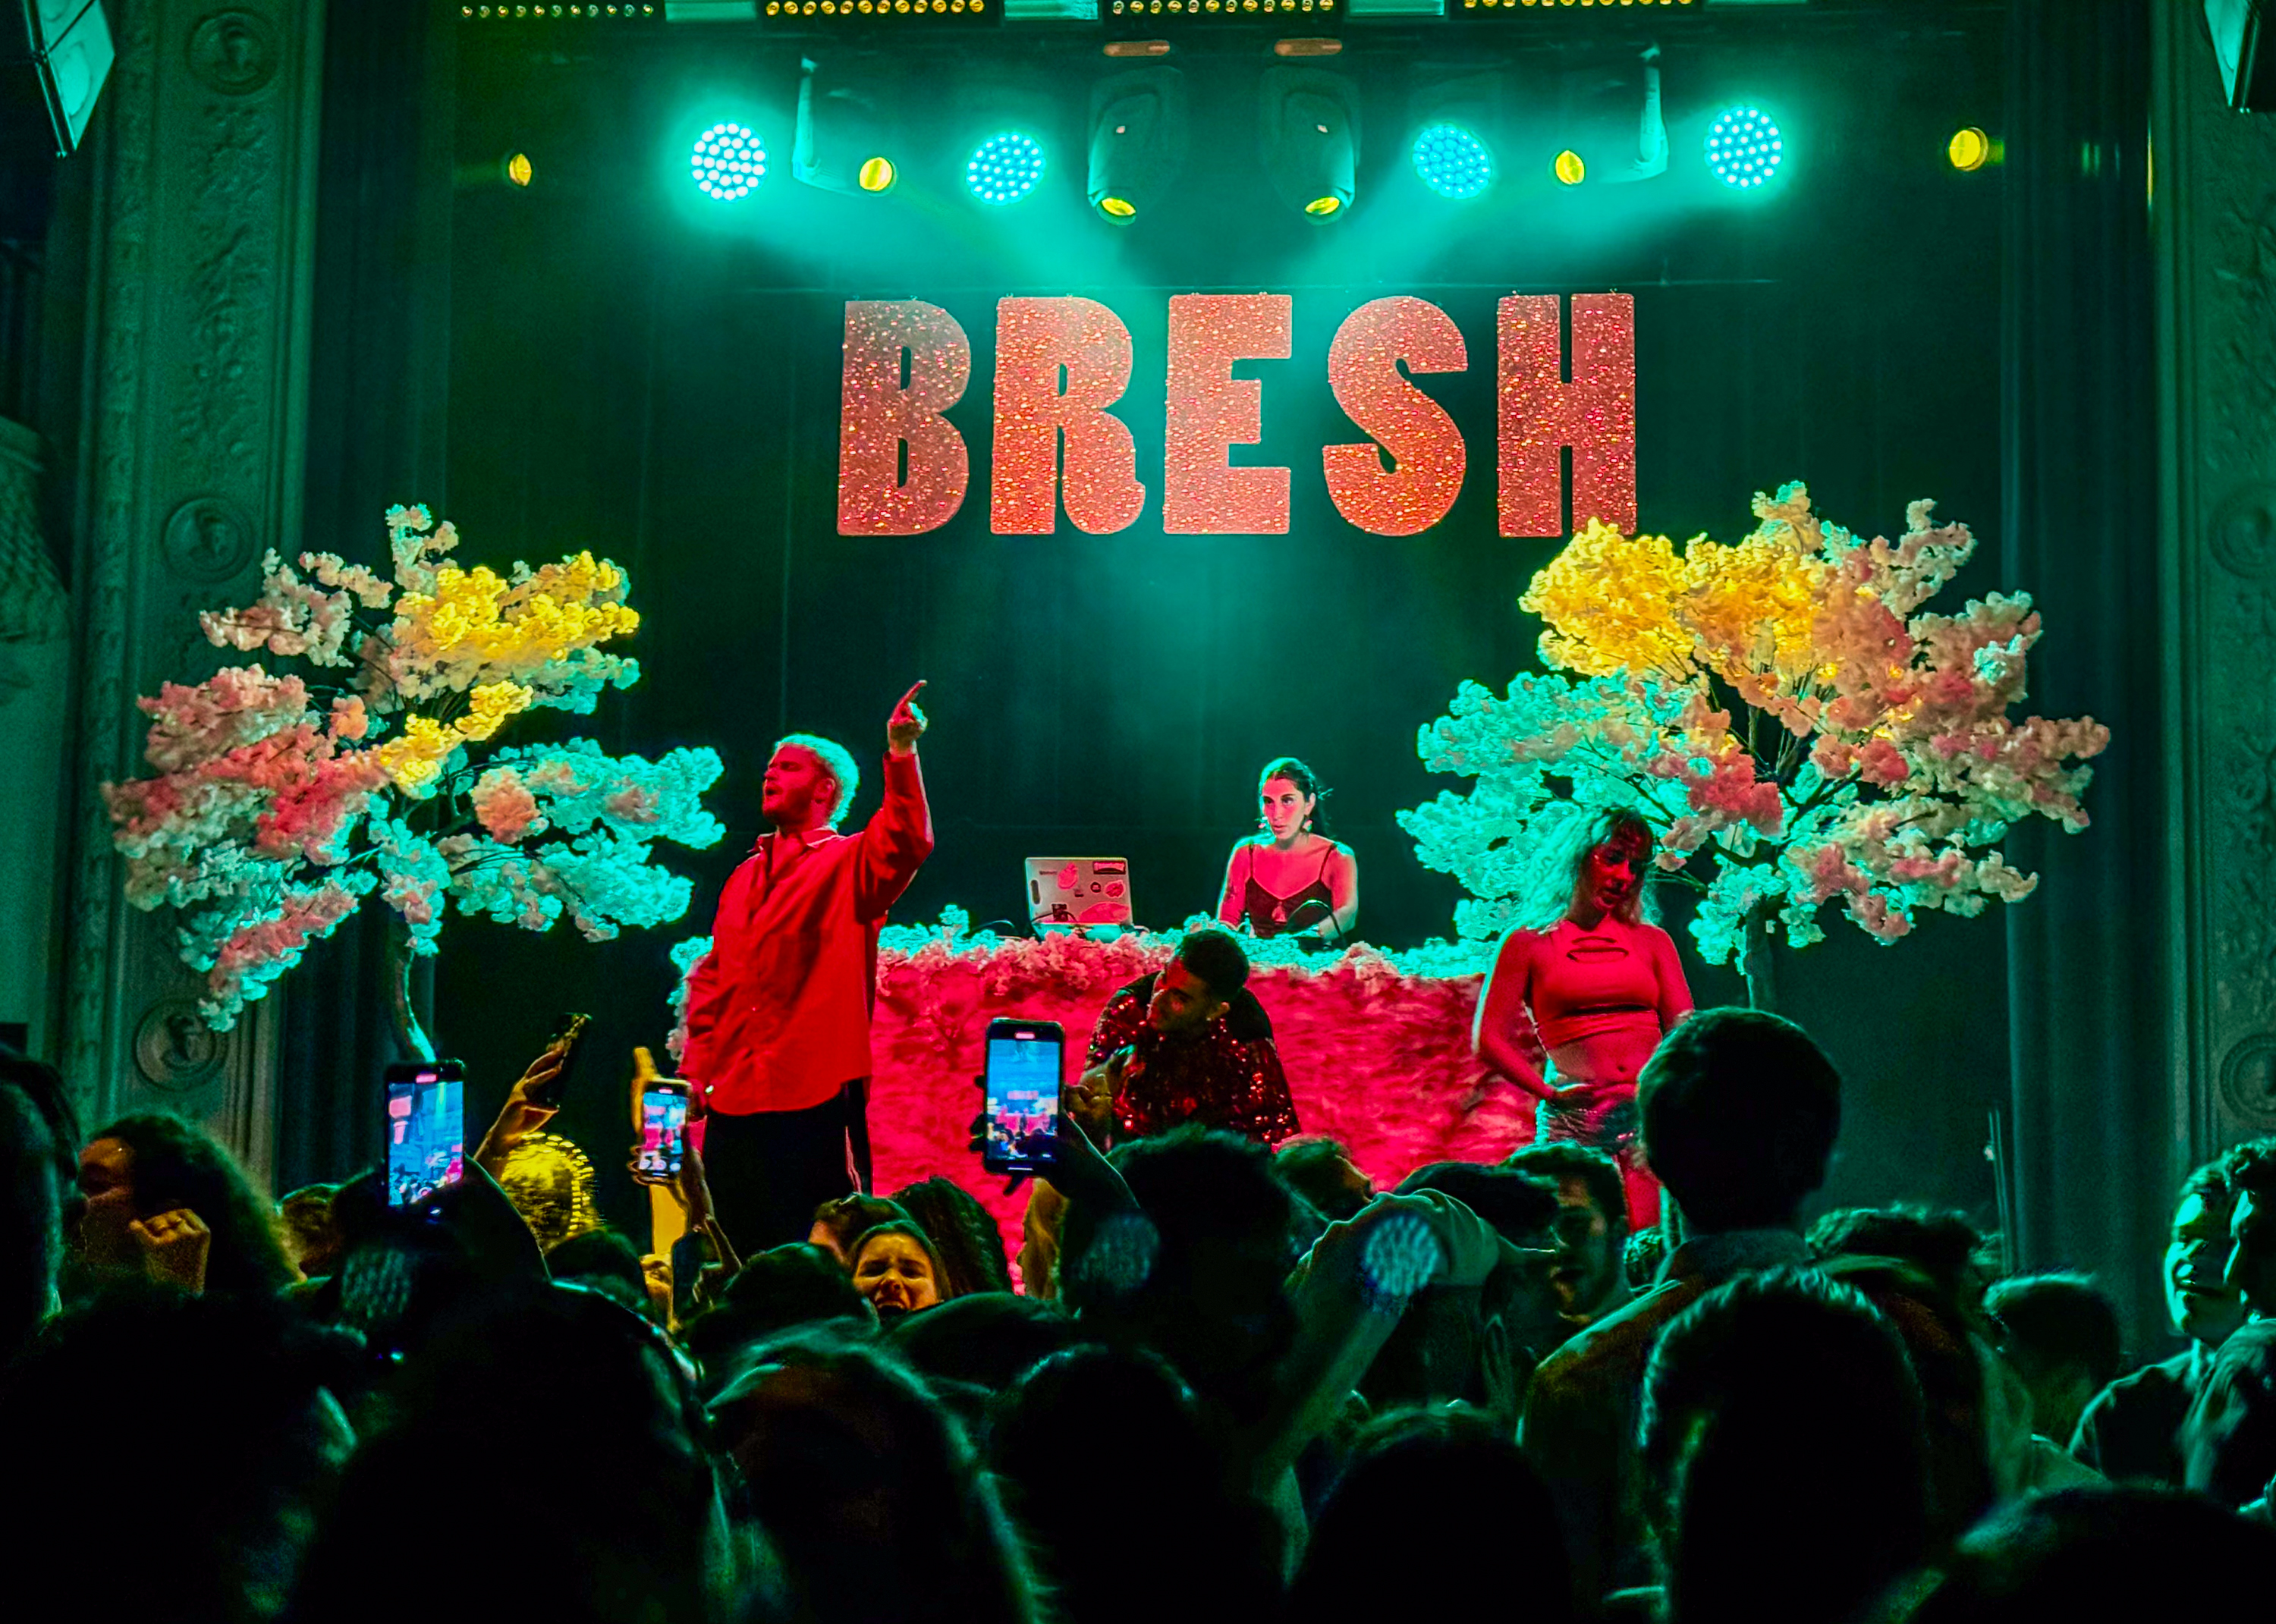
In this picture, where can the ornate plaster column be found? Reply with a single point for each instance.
(200, 272)
(2214, 220)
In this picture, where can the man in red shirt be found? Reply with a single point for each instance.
(779, 1010)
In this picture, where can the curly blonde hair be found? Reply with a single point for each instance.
(1564, 857)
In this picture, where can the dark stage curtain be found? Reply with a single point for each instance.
(377, 396)
(2090, 986)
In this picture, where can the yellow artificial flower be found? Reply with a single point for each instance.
(476, 620)
(414, 758)
(488, 707)
(1610, 601)
(1754, 606)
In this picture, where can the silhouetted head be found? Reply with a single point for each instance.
(1739, 1111)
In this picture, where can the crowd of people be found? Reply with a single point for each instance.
(1219, 1379)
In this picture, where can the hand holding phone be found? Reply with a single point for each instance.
(548, 1076)
(1021, 1119)
(426, 1129)
(660, 1117)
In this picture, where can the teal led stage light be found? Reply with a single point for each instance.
(1744, 148)
(727, 162)
(1005, 168)
(1452, 162)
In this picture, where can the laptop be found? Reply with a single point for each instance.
(1068, 893)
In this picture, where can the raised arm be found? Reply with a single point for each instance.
(1233, 901)
(1503, 1018)
(896, 842)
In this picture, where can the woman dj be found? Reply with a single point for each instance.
(1290, 878)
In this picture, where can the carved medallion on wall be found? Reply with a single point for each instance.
(208, 541)
(234, 52)
(2243, 532)
(174, 1049)
(2248, 1079)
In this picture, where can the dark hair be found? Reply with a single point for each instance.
(986, 1339)
(1197, 1188)
(962, 1231)
(1780, 1430)
(2126, 1552)
(783, 1287)
(869, 1491)
(223, 1397)
(1408, 1472)
(1313, 1165)
(178, 1165)
(1202, 1195)
(2250, 1169)
(1598, 1174)
(1307, 784)
(605, 1261)
(1518, 1206)
(1942, 1243)
(1160, 1531)
(1740, 1110)
(1216, 957)
(2208, 1181)
(849, 1216)
(2058, 1319)
(43, 1086)
(598, 1435)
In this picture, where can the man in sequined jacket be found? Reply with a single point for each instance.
(1190, 1044)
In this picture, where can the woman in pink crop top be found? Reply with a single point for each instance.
(1600, 987)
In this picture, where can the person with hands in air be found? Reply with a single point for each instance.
(529, 1105)
(1349, 1294)
(704, 1246)
(777, 1052)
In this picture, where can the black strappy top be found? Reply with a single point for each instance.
(1270, 913)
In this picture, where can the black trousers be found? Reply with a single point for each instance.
(771, 1169)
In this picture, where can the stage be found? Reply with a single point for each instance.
(1376, 1044)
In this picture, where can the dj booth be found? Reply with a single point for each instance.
(1376, 1044)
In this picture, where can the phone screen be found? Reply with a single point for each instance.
(664, 1130)
(426, 1130)
(1023, 1097)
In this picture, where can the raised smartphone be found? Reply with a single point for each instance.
(664, 1128)
(426, 1129)
(1022, 1082)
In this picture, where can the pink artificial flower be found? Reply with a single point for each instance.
(1830, 873)
(1883, 764)
(504, 805)
(635, 803)
(1879, 920)
(232, 707)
